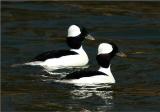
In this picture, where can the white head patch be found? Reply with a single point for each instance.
(105, 48)
(73, 31)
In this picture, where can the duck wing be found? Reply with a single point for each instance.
(80, 74)
(53, 54)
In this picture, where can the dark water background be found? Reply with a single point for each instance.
(30, 28)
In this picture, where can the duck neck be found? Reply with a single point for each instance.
(106, 70)
(80, 50)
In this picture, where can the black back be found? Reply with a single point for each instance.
(104, 59)
(53, 54)
(80, 74)
(75, 42)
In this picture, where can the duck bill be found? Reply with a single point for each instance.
(121, 54)
(89, 37)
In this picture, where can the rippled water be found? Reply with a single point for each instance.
(30, 28)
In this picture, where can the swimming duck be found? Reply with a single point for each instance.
(106, 52)
(73, 57)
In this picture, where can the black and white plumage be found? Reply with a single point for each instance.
(80, 74)
(106, 51)
(74, 57)
(53, 54)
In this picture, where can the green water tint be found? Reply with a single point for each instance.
(30, 28)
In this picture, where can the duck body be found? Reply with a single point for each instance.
(61, 59)
(103, 75)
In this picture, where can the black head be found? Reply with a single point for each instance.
(106, 51)
(76, 35)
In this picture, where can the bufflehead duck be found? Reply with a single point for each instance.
(76, 56)
(106, 51)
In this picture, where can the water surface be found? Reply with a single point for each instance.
(30, 28)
